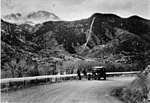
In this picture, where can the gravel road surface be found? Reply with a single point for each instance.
(76, 91)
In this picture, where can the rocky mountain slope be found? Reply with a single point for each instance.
(31, 18)
(110, 38)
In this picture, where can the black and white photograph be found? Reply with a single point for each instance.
(75, 51)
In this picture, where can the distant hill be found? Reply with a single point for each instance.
(32, 18)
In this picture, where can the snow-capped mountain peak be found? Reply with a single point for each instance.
(35, 17)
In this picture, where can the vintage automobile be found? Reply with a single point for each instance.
(98, 72)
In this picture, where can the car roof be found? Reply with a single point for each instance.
(98, 67)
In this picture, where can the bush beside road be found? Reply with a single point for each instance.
(136, 92)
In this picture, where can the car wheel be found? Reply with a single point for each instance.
(104, 78)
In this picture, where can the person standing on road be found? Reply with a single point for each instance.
(84, 73)
(79, 74)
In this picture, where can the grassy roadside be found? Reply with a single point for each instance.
(136, 92)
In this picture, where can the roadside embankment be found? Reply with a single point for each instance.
(137, 91)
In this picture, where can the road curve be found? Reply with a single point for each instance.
(83, 91)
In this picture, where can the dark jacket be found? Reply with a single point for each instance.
(78, 72)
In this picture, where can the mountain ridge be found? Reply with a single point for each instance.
(32, 18)
(113, 39)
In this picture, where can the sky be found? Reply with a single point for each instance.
(78, 9)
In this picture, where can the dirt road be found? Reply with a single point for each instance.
(83, 91)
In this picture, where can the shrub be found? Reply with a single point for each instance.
(136, 92)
